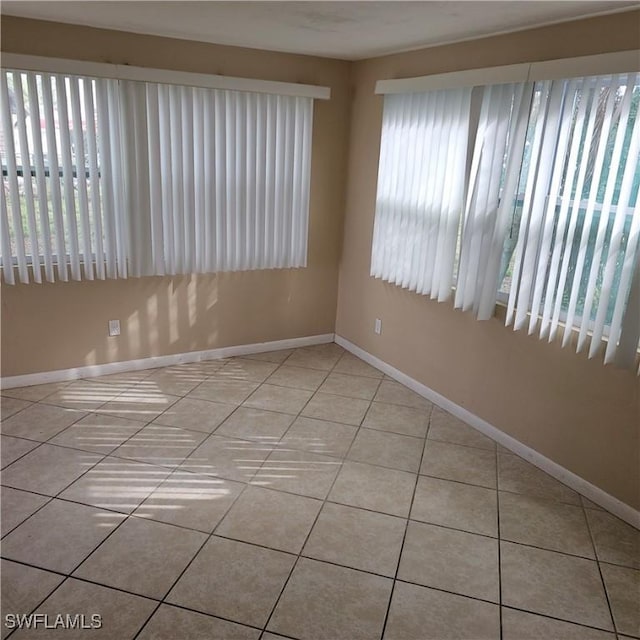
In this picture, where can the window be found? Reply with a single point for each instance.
(116, 178)
(540, 204)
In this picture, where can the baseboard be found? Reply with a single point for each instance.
(582, 486)
(94, 370)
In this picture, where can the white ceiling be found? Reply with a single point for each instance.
(346, 30)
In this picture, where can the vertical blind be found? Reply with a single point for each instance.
(421, 189)
(578, 236)
(116, 178)
(536, 190)
(493, 185)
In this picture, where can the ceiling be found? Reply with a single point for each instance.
(345, 30)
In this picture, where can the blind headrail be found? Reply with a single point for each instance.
(601, 64)
(20, 62)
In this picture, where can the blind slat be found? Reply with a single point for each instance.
(14, 191)
(199, 185)
(259, 192)
(210, 232)
(178, 180)
(573, 221)
(166, 155)
(53, 166)
(555, 290)
(188, 199)
(155, 178)
(588, 217)
(507, 202)
(67, 179)
(94, 177)
(239, 148)
(616, 246)
(620, 123)
(41, 183)
(80, 172)
(515, 314)
(7, 257)
(270, 172)
(428, 160)
(27, 181)
(548, 221)
(107, 204)
(116, 141)
(306, 186)
(535, 215)
(222, 248)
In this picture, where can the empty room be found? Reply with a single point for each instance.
(320, 320)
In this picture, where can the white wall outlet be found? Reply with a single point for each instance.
(114, 327)
(378, 326)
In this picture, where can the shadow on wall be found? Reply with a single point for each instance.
(65, 324)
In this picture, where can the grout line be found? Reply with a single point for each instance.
(391, 433)
(406, 528)
(49, 499)
(209, 434)
(299, 555)
(470, 446)
(595, 553)
(195, 555)
(566, 620)
(38, 445)
(101, 457)
(462, 482)
(202, 613)
(223, 536)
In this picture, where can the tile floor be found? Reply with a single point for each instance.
(296, 494)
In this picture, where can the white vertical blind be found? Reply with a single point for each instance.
(24, 149)
(219, 178)
(544, 205)
(495, 170)
(620, 248)
(13, 183)
(579, 231)
(118, 178)
(420, 195)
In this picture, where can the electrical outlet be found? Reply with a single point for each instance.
(114, 327)
(378, 326)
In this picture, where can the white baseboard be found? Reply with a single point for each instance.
(582, 486)
(153, 362)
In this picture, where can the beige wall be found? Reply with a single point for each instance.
(578, 413)
(54, 326)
